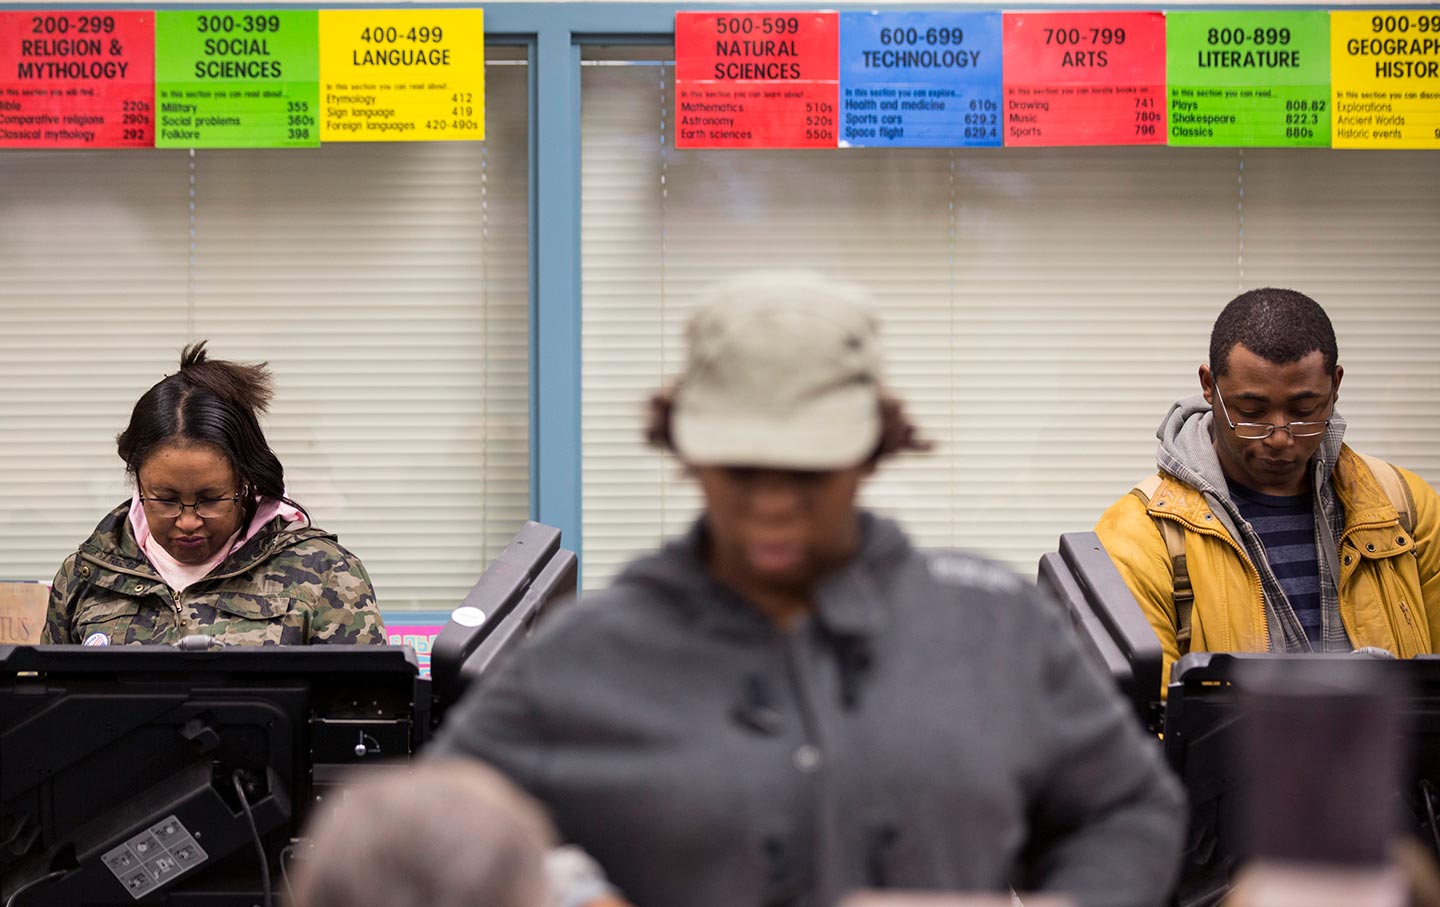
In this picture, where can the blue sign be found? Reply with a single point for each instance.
(920, 80)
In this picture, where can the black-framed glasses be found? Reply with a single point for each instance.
(207, 509)
(1259, 431)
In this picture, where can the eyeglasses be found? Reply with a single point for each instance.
(1259, 431)
(208, 509)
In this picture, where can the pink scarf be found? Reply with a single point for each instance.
(179, 576)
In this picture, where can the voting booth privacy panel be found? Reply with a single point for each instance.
(1249, 766)
(1253, 735)
(464, 333)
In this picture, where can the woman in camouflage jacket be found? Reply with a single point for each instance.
(209, 545)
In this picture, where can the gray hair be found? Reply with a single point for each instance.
(447, 833)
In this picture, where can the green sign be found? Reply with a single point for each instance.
(237, 79)
(1246, 78)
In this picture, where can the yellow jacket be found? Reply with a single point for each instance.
(1389, 582)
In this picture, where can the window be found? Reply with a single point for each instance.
(386, 284)
(1042, 308)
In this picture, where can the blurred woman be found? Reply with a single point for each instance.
(790, 702)
(209, 544)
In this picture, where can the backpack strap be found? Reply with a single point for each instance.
(1395, 489)
(1174, 535)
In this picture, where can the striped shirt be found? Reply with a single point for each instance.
(1286, 526)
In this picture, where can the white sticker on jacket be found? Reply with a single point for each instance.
(97, 639)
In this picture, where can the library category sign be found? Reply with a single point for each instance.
(756, 80)
(1385, 72)
(402, 75)
(920, 80)
(1244, 78)
(237, 79)
(77, 79)
(257, 77)
(1085, 78)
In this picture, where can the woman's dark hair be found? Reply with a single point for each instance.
(211, 402)
(897, 432)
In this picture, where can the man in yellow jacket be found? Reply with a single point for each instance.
(1291, 541)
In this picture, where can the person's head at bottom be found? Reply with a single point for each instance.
(450, 833)
(781, 415)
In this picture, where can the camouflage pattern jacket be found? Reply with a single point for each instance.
(282, 587)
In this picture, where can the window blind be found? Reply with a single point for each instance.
(386, 284)
(1041, 308)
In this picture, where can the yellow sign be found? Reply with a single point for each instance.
(402, 75)
(1385, 79)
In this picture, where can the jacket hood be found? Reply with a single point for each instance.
(114, 543)
(847, 600)
(1187, 450)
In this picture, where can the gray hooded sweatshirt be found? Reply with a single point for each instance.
(1187, 452)
(934, 725)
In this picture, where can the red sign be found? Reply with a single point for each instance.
(1091, 78)
(77, 79)
(756, 80)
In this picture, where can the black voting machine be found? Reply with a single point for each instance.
(137, 770)
(1200, 719)
(162, 773)
(183, 776)
(1353, 796)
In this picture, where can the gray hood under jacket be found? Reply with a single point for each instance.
(1187, 452)
(934, 725)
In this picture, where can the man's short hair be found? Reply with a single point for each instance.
(448, 833)
(1280, 326)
